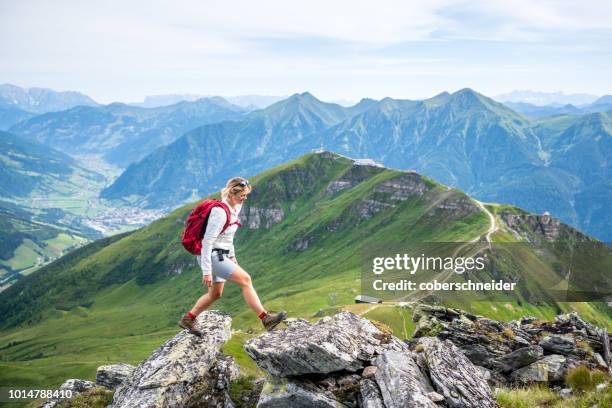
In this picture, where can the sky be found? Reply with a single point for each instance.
(337, 50)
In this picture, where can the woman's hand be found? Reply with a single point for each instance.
(207, 280)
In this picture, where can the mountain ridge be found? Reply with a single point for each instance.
(122, 133)
(41, 100)
(462, 139)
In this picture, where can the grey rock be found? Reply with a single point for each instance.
(565, 393)
(111, 376)
(605, 348)
(370, 396)
(401, 382)
(543, 225)
(75, 385)
(369, 207)
(573, 320)
(549, 369)
(518, 358)
(353, 176)
(281, 393)
(454, 376)
(558, 344)
(255, 218)
(401, 188)
(478, 354)
(338, 185)
(342, 342)
(599, 360)
(454, 208)
(185, 371)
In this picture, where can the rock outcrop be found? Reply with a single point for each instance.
(522, 351)
(453, 375)
(255, 218)
(346, 361)
(353, 176)
(186, 371)
(344, 342)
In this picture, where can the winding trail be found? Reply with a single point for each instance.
(492, 228)
(447, 274)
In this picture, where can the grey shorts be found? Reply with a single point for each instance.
(222, 270)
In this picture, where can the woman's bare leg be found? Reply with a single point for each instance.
(214, 293)
(248, 291)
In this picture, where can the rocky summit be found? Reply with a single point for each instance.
(348, 361)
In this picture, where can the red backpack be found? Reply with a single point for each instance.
(196, 224)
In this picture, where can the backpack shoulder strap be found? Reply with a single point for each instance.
(227, 214)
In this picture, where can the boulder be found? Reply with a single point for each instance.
(558, 344)
(342, 342)
(283, 393)
(549, 369)
(517, 359)
(454, 376)
(185, 371)
(111, 376)
(478, 354)
(401, 382)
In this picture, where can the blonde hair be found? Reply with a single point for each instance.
(235, 185)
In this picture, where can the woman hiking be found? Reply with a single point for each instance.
(218, 259)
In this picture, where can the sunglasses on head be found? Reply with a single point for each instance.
(244, 183)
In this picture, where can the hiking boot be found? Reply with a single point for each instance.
(188, 323)
(271, 320)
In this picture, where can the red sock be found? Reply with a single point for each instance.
(191, 315)
(262, 315)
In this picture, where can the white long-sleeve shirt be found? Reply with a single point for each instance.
(213, 238)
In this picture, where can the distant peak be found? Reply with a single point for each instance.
(303, 96)
(466, 91)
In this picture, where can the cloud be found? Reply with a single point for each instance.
(124, 49)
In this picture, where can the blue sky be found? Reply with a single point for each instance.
(120, 50)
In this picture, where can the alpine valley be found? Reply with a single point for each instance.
(303, 229)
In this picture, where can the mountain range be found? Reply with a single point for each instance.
(304, 229)
(119, 133)
(41, 100)
(603, 104)
(248, 102)
(546, 98)
(465, 139)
